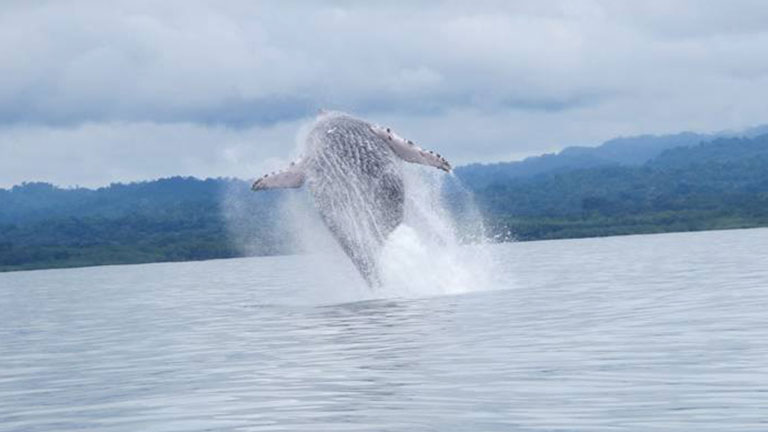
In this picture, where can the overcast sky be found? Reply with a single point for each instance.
(93, 92)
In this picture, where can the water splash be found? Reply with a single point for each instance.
(426, 254)
(440, 248)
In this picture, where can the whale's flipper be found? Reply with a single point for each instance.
(410, 152)
(291, 177)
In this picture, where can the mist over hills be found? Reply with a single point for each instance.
(33, 202)
(631, 151)
(641, 184)
(618, 151)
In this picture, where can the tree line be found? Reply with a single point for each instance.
(717, 184)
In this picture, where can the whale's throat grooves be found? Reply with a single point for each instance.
(357, 188)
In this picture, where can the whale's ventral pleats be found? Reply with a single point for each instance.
(351, 170)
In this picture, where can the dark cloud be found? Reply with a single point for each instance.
(231, 111)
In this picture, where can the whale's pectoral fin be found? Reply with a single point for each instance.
(410, 152)
(291, 177)
(418, 155)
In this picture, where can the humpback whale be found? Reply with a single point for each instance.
(353, 173)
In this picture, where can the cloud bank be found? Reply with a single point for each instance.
(93, 92)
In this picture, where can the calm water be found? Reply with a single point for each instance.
(662, 332)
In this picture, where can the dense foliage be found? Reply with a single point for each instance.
(174, 219)
(626, 186)
(719, 184)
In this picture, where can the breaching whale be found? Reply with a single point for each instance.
(352, 170)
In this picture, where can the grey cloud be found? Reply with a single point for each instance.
(482, 81)
(231, 111)
(689, 19)
(126, 61)
(95, 154)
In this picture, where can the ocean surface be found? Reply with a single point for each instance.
(638, 333)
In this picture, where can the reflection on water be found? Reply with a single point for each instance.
(663, 332)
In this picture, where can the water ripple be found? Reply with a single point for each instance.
(664, 332)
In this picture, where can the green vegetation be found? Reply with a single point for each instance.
(717, 185)
(544, 228)
(667, 185)
(137, 238)
(175, 219)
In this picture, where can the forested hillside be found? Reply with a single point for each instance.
(640, 185)
(718, 184)
(616, 152)
(174, 219)
(627, 151)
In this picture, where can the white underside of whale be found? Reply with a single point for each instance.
(351, 169)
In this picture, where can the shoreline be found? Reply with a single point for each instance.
(6, 269)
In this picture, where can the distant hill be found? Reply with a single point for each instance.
(718, 184)
(628, 185)
(631, 151)
(721, 151)
(173, 219)
(31, 202)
